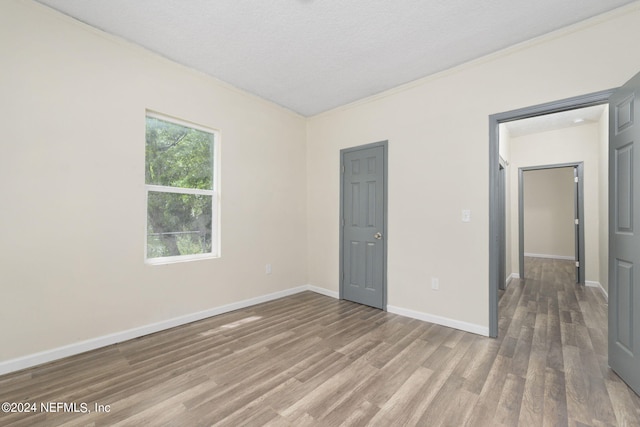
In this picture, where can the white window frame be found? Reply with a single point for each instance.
(214, 193)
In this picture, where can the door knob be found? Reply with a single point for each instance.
(378, 235)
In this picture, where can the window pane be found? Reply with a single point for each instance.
(178, 224)
(178, 156)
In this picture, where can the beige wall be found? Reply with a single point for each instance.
(603, 205)
(504, 150)
(72, 186)
(549, 229)
(437, 130)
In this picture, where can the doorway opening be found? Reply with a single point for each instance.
(551, 214)
(498, 222)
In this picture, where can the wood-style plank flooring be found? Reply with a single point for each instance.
(310, 360)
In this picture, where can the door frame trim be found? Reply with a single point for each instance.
(580, 196)
(385, 149)
(573, 103)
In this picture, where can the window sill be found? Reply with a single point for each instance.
(179, 259)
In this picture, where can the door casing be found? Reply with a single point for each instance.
(385, 149)
(573, 103)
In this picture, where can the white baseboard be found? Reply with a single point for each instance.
(444, 321)
(46, 356)
(322, 291)
(568, 258)
(510, 278)
(599, 286)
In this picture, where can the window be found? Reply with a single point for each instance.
(181, 188)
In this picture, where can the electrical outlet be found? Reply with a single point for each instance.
(466, 215)
(435, 283)
(267, 269)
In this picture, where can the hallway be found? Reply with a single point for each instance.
(554, 334)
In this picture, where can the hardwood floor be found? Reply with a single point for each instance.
(311, 360)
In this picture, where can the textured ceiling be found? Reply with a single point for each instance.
(314, 55)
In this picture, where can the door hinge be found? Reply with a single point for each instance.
(577, 263)
(575, 179)
(342, 168)
(342, 222)
(577, 221)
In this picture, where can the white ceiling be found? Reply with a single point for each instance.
(314, 55)
(565, 119)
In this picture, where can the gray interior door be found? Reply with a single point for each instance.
(502, 229)
(577, 220)
(363, 226)
(624, 242)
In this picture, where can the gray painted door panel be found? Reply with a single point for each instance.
(502, 229)
(624, 234)
(577, 223)
(363, 207)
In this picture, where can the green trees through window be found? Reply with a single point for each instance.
(179, 177)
